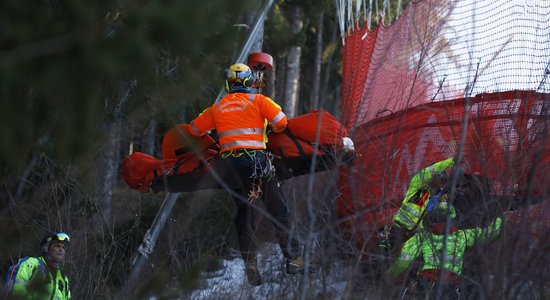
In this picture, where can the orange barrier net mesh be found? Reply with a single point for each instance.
(405, 90)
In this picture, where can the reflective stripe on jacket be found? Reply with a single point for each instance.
(240, 120)
(409, 213)
(430, 247)
(34, 281)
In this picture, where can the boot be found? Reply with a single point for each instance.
(253, 274)
(297, 265)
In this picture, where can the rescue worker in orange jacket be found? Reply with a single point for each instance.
(240, 119)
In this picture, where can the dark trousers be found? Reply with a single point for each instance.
(447, 291)
(392, 239)
(237, 173)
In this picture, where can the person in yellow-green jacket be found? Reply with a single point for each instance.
(41, 277)
(425, 190)
(442, 252)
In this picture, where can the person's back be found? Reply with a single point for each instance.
(241, 119)
(432, 249)
(442, 254)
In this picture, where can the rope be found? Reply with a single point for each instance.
(260, 171)
(262, 168)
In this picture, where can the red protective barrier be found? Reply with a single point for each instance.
(403, 98)
(533, 221)
(506, 140)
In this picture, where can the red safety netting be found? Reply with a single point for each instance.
(404, 93)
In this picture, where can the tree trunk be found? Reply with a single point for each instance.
(271, 89)
(106, 177)
(109, 158)
(149, 138)
(328, 72)
(280, 78)
(293, 66)
(317, 63)
(257, 43)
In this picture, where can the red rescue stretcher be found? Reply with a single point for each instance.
(188, 162)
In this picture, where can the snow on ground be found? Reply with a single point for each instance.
(230, 281)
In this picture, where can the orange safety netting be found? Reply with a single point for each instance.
(404, 92)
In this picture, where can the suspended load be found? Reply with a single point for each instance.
(316, 133)
(183, 155)
(187, 161)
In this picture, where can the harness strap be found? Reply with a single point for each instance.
(240, 152)
(295, 141)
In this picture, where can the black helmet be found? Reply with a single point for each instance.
(53, 237)
(440, 213)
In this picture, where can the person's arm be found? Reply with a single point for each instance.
(442, 166)
(273, 113)
(24, 276)
(409, 252)
(426, 174)
(203, 123)
(68, 288)
(488, 233)
(421, 179)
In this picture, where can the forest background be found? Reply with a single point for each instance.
(81, 82)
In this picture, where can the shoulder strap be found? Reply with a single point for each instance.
(295, 141)
(40, 267)
(10, 277)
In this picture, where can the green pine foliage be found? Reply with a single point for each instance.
(62, 64)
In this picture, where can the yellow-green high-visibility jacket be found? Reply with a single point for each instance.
(34, 281)
(410, 211)
(430, 246)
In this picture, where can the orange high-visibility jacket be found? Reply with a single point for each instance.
(240, 120)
